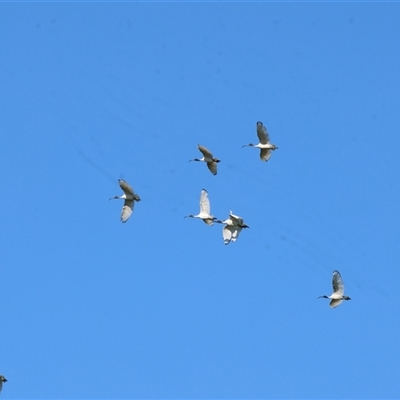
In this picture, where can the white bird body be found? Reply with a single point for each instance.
(129, 196)
(205, 211)
(337, 296)
(208, 158)
(233, 226)
(265, 146)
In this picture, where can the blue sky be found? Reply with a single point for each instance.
(159, 307)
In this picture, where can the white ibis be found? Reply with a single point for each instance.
(233, 226)
(208, 158)
(265, 146)
(337, 296)
(204, 213)
(129, 196)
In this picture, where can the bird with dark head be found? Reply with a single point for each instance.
(129, 196)
(205, 213)
(208, 158)
(265, 146)
(337, 296)
(233, 226)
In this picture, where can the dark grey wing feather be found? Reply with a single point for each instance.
(126, 187)
(265, 154)
(335, 302)
(337, 282)
(262, 133)
(212, 166)
(206, 153)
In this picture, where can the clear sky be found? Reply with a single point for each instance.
(159, 307)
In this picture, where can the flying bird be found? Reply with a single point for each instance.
(208, 158)
(204, 213)
(337, 296)
(129, 196)
(265, 146)
(233, 226)
(2, 379)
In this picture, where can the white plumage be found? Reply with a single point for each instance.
(129, 196)
(208, 158)
(337, 296)
(205, 212)
(233, 226)
(265, 146)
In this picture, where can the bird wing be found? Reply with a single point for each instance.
(209, 221)
(126, 187)
(262, 133)
(337, 283)
(204, 202)
(335, 302)
(1, 385)
(265, 154)
(212, 166)
(235, 218)
(235, 232)
(227, 233)
(205, 151)
(127, 210)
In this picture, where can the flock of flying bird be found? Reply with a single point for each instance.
(234, 224)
